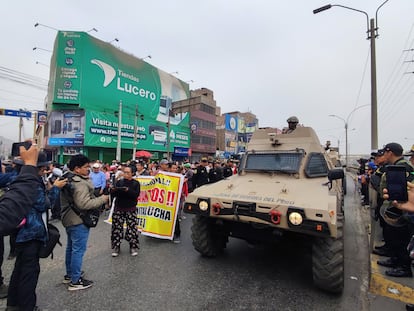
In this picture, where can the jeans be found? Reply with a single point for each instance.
(23, 282)
(75, 249)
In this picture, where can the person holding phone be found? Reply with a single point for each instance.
(404, 206)
(397, 232)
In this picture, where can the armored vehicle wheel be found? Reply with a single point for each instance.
(328, 261)
(208, 238)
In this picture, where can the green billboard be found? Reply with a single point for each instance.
(94, 76)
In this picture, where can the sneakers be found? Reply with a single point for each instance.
(3, 291)
(115, 252)
(176, 240)
(134, 251)
(80, 284)
(67, 279)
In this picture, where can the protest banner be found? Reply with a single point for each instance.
(157, 204)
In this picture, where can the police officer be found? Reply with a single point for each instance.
(227, 170)
(200, 176)
(216, 173)
(398, 233)
(292, 123)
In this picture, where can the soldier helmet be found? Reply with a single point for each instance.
(293, 119)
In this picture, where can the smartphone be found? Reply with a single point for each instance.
(397, 183)
(15, 147)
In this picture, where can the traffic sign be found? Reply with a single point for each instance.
(17, 113)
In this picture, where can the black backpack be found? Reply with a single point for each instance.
(46, 249)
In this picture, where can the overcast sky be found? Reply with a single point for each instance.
(273, 58)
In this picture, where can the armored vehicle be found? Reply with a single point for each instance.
(285, 183)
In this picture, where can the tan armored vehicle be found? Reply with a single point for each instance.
(286, 182)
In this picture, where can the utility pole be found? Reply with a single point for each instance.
(168, 134)
(20, 128)
(134, 147)
(374, 109)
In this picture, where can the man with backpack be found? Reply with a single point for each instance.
(79, 195)
(32, 234)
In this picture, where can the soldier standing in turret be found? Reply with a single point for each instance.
(292, 123)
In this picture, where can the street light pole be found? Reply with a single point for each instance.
(372, 28)
(346, 129)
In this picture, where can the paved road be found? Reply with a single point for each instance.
(167, 276)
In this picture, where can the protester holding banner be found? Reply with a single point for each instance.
(125, 192)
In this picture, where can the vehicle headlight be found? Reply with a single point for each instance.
(203, 205)
(295, 218)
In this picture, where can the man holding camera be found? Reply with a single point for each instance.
(80, 193)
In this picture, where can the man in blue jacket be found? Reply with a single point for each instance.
(17, 201)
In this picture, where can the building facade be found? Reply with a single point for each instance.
(203, 118)
(234, 130)
(105, 103)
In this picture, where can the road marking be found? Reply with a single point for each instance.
(380, 285)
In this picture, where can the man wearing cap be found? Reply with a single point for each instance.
(17, 201)
(292, 124)
(164, 165)
(200, 176)
(376, 198)
(98, 179)
(396, 234)
(29, 239)
(375, 180)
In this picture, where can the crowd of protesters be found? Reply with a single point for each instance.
(91, 183)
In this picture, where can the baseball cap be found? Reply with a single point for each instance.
(41, 160)
(378, 153)
(96, 165)
(164, 161)
(395, 148)
(187, 165)
(411, 152)
(204, 160)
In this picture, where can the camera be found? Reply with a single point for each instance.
(16, 147)
(56, 173)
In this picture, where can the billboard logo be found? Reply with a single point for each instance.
(109, 71)
(67, 84)
(121, 84)
(69, 61)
